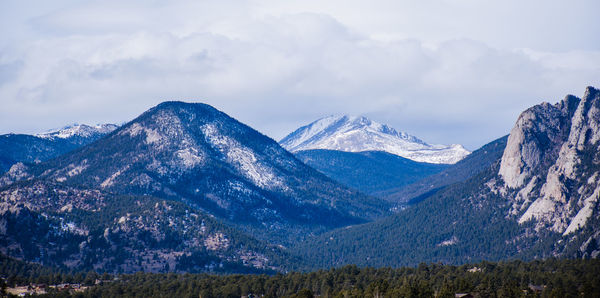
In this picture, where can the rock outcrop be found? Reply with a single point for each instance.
(551, 163)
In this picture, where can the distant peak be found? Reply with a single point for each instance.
(78, 130)
(359, 133)
(333, 118)
(591, 89)
(357, 121)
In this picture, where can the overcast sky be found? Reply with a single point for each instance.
(446, 71)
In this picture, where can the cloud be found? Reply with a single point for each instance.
(274, 68)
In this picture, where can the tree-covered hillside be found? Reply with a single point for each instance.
(549, 278)
(460, 224)
(368, 171)
(473, 164)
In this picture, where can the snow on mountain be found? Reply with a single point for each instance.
(78, 130)
(35, 148)
(355, 134)
(195, 153)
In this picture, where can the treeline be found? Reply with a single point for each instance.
(15, 272)
(549, 278)
(474, 227)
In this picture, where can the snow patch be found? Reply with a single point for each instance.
(152, 136)
(78, 130)
(110, 180)
(356, 134)
(76, 170)
(243, 158)
(451, 241)
(189, 157)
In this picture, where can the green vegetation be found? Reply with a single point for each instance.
(476, 162)
(129, 234)
(548, 278)
(458, 225)
(369, 171)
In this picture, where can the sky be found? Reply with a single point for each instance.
(445, 71)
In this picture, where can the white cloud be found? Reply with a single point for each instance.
(278, 66)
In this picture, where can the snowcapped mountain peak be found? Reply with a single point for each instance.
(358, 133)
(78, 130)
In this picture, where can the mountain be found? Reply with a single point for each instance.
(79, 133)
(551, 164)
(476, 162)
(28, 148)
(85, 229)
(538, 199)
(179, 183)
(355, 134)
(370, 172)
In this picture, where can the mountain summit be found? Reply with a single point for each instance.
(16, 148)
(538, 198)
(551, 164)
(356, 134)
(193, 153)
(79, 132)
(181, 187)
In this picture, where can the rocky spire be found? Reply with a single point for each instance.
(543, 161)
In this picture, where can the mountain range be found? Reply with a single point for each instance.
(184, 187)
(476, 162)
(355, 134)
(197, 182)
(35, 148)
(537, 199)
(371, 172)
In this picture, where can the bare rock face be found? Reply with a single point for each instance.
(591, 248)
(531, 143)
(17, 172)
(551, 163)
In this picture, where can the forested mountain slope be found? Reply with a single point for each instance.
(370, 172)
(476, 162)
(181, 182)
(29, 148)
(538, 200)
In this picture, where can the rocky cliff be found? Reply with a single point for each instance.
(551, 163)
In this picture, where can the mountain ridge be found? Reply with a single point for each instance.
(371, 172)
(78, 131)
(16, 148)
(176, 138)
(537, 199)
(197, 183)
(355, 134)
(186, 187)
(555, 174)
(476, 162)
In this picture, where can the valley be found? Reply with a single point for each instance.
(186, 188)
